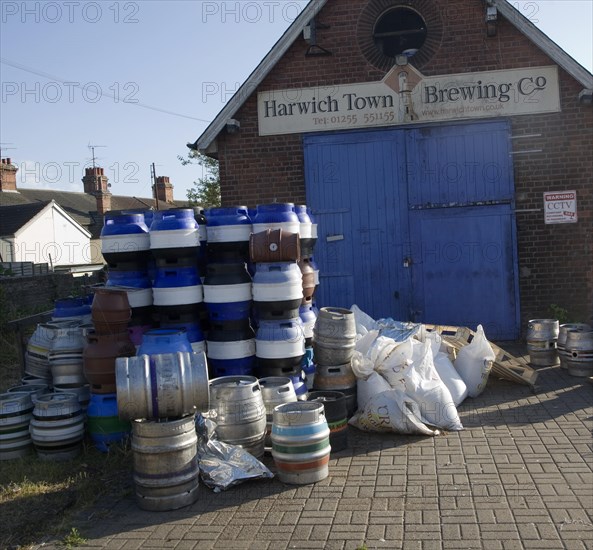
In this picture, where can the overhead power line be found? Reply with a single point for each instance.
(103, 94)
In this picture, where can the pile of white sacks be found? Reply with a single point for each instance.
(411, 386)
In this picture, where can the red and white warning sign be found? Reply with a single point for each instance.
(560, 207)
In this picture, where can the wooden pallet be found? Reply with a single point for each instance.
(505, 365)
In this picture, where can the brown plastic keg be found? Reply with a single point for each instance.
(110, 310)
(99, 357)
(308, 278)
(274, 245)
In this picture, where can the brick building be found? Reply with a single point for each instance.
(444, 147)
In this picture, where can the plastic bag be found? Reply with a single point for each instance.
(396, 330)
(365, 389)
(391, 411)
(450, 377)
(474, 363)
(223, 465)
(428, 390)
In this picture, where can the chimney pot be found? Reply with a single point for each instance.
(8, 176)
(164, 189)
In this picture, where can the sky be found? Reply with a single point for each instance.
(139, 79)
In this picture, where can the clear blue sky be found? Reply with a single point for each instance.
(183, 57)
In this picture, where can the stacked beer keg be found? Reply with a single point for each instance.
(125, 245)
(310, 272)
(278, 293)
(108, 340)
(334, 342)
(53, 366)
(73, 309)
(66, 363)
(159, 391)
(228, 292)
(177, 288)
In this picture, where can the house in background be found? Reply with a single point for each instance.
(87, 208)
(42, 232)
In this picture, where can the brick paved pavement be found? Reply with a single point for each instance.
(519, 476)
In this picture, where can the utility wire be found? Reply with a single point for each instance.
(102, 94)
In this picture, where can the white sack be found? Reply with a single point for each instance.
(435, 340)
(364, 322)
(361, 366)
(428, 390)
(450, 377)
(474, 363)
(394, 365)
(366, 388)
(391, 411)
(364, 343)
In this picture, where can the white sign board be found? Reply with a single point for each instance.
(560, 207)
(406, 96)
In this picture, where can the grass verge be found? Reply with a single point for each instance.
(39, 499)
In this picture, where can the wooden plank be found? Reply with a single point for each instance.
(505, 365)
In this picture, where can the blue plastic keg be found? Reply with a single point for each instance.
(174, 234)
(177, 283)
(277, 290)
(231, 348)
(72, 309)
(276, 216)
(193, 331)
(228, 231)
(305, 230)
(125, 237)
(227, 292)
(308, 367)
(308, 314)
(103, 423)
(162, 340)
(279, 347)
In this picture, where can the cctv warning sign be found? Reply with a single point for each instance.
(560, 207)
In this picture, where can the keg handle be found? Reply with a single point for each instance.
(283, 389)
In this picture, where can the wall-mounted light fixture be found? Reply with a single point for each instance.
(232, 126)
(491, 18)
(310, 36)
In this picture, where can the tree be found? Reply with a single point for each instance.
(206, 190)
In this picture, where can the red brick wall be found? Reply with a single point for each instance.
(555, 261)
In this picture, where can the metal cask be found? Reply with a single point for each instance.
(334, 336)
(16, 410)
(300, 442)
(165, 463)
(238, 409)
(161, 386)
(579, 345)
(338, 378)
(336, 414)
(542, 335)
(57, 427)
(275, 390)
(562, 335)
